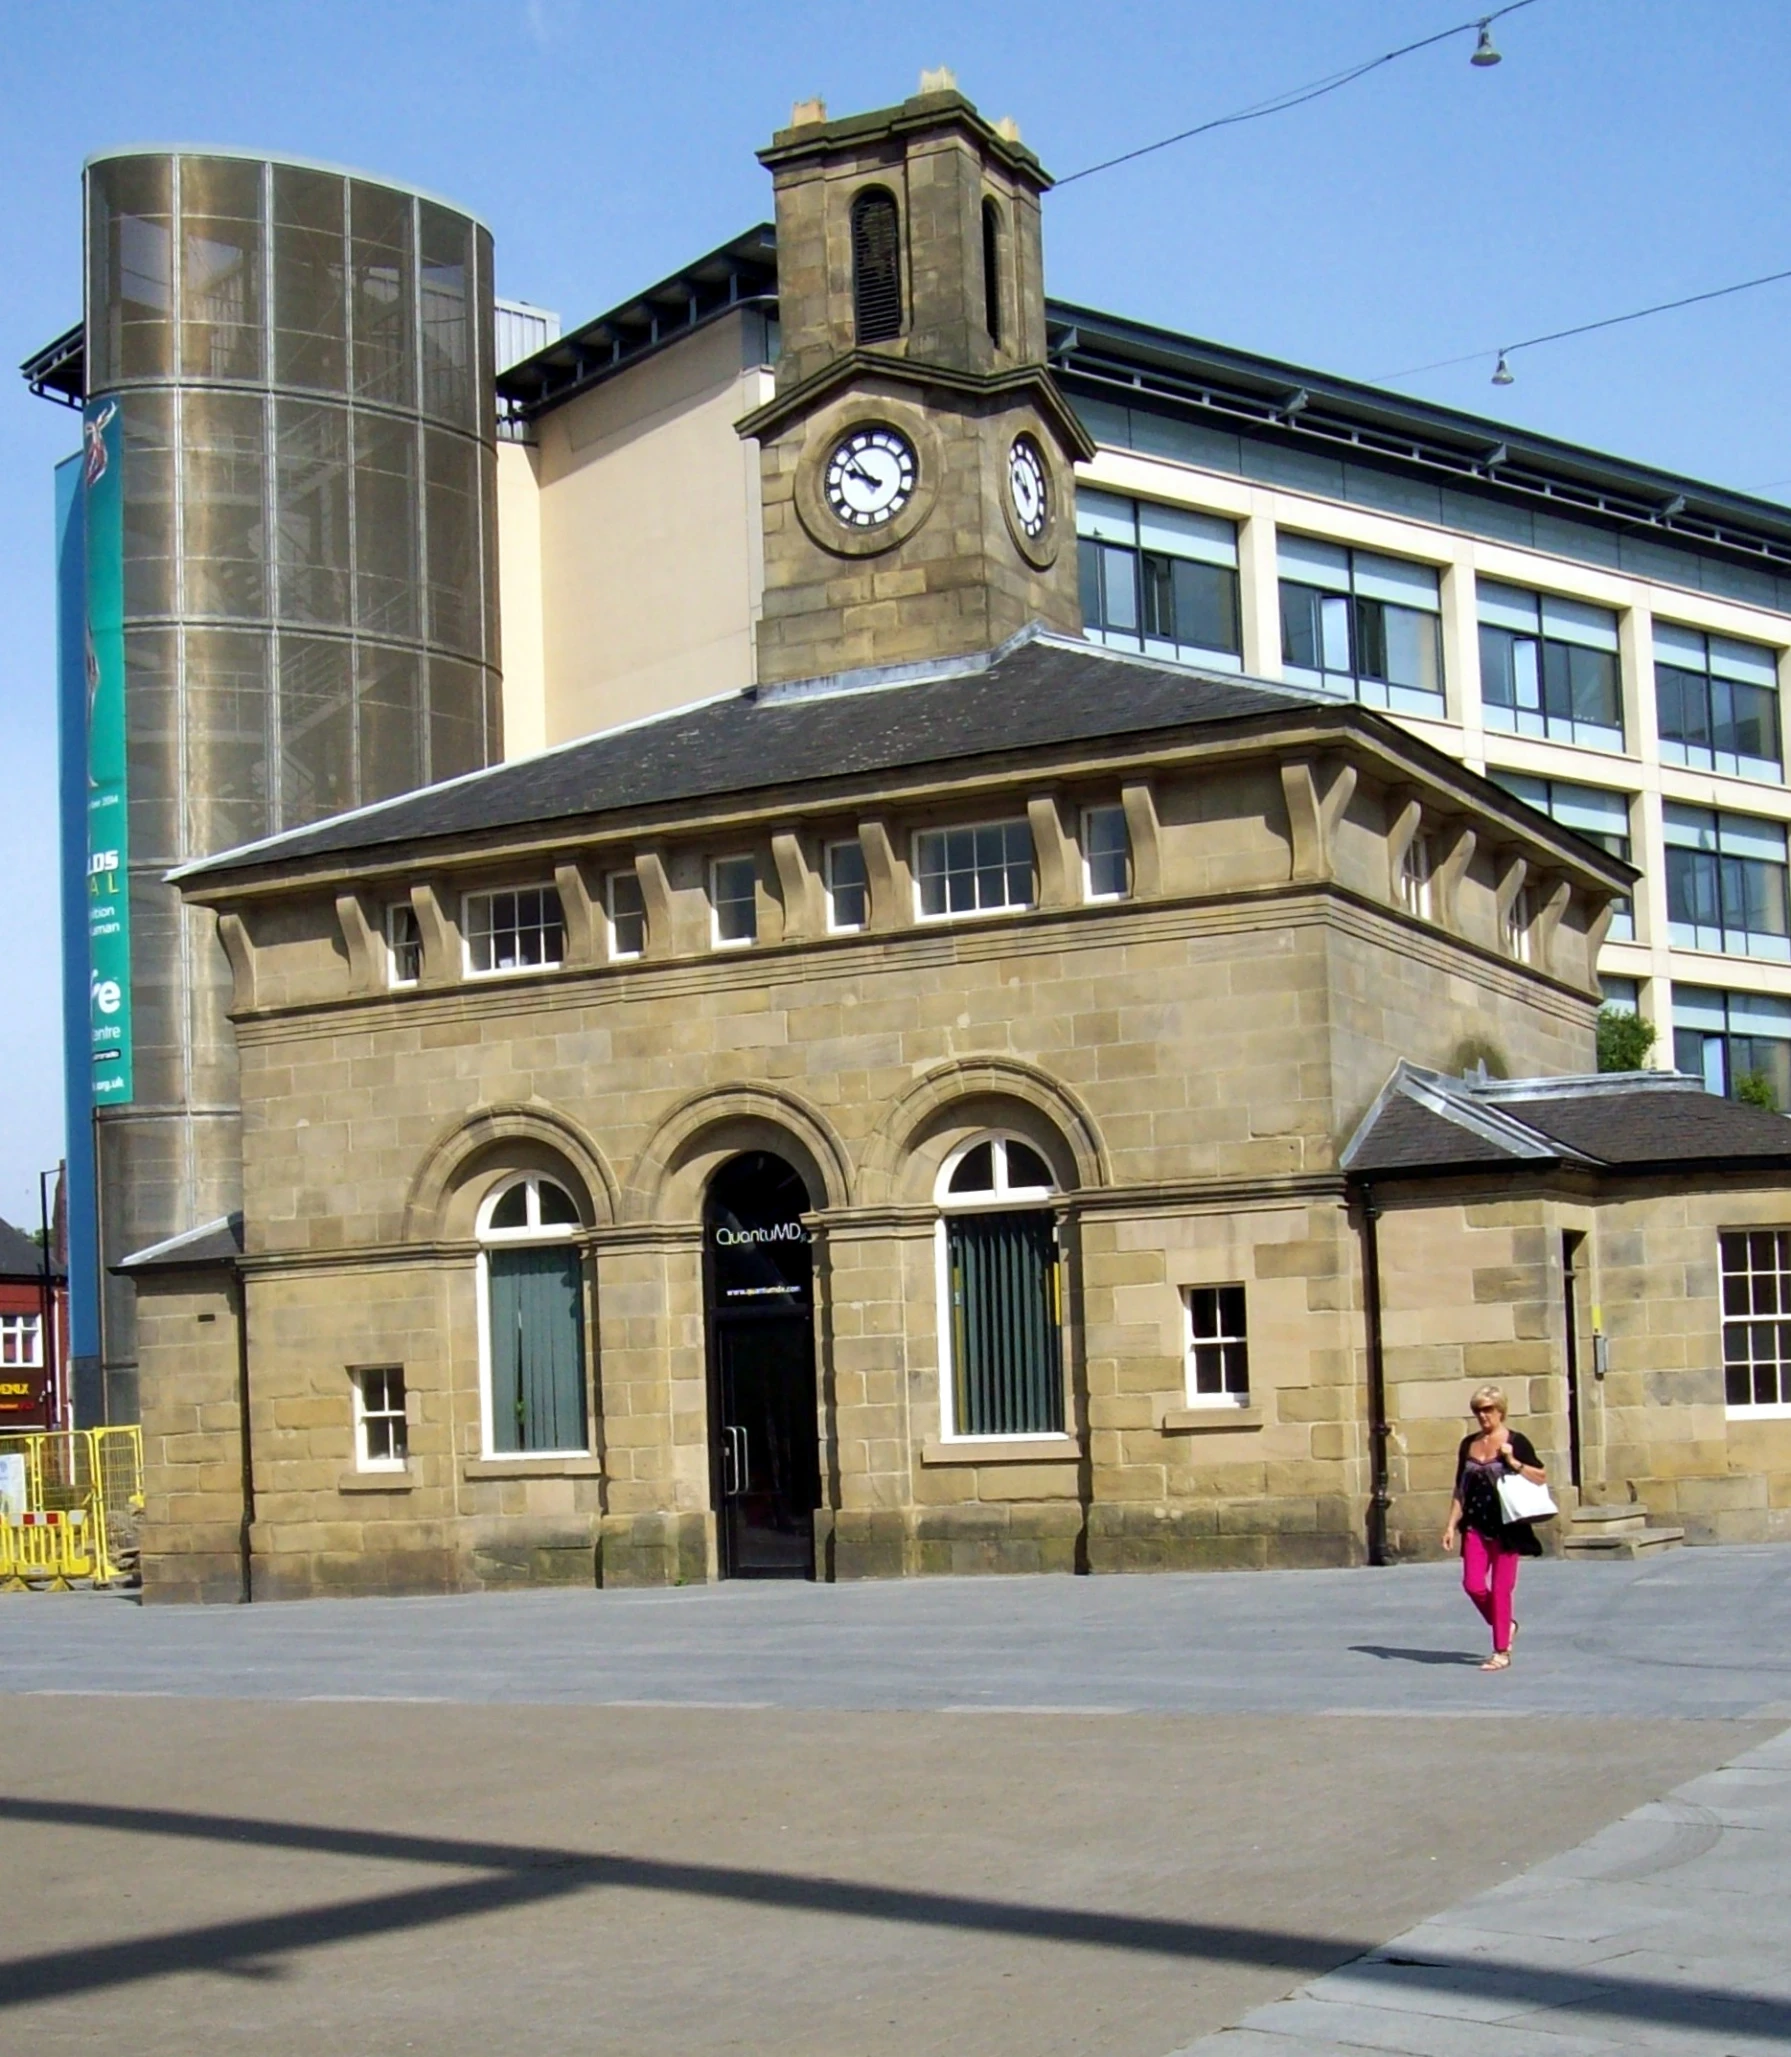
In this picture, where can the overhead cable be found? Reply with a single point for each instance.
(1298, 96)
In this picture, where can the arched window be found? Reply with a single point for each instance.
(992, 269)
(1001, 1290)
(532, 1319)
(876, 267)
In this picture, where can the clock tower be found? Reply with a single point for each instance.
(916, 461)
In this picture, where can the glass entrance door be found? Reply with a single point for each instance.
(765, 1453)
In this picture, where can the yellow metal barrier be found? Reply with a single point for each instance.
(69, 1505)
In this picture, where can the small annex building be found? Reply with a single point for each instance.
(974, 1100)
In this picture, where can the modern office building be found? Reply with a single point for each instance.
(286, 546)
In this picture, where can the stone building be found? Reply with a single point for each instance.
(928, 1109)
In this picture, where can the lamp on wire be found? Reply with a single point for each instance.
(1485, 54)
(1503, 375)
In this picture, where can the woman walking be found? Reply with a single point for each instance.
(1491, 1545)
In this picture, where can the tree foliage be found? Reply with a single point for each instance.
(1755, 1089)
(1624, 1039)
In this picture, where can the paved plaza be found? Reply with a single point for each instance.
(1252, 1815)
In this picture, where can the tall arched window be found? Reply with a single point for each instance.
(876, 267)
(1001, 1283)
(531, 1292)
(992, 269)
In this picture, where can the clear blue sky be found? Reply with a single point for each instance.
(1626, 151)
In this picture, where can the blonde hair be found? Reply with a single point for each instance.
(1489, 1396)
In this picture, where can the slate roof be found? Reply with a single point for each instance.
(20, 1258)
(214, 1242)
(1425, 1123)
(1036, 691)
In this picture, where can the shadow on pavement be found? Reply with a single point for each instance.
(1387, 1650)
(518, 1875)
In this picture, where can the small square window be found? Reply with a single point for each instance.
(734, 895)
(848, 898)
(1106, 854)
(522, 930)
(627, 915)
(1218, 1352)
(973, 870)
(21, 1340)
(381, 1441)
(404, 941)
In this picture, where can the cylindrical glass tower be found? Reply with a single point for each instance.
(300, 361)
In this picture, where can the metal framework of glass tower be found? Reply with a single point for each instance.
(294, 365)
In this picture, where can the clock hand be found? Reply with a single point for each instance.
(856, 470)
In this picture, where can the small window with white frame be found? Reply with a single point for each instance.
(1756, 1270)
(404, 944)
(381, 1442)
(1520, 926)
(21, 1341)
(986, 869)
(1106, 854)
(848, 894)
(734, 902)
(626, 906)
(519, 929)
(1416, 875)
(1218, 1347)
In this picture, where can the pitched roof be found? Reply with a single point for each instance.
(1427, 1123)
(20, 1257)
(1036, 691)
(212, 1243)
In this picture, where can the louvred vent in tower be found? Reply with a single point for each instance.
(876, 268)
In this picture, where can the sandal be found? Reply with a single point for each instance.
(1500, 1660)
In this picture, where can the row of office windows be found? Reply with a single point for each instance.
(1368, 627)
(984, 868)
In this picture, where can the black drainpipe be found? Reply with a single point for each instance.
(1380, 1430)
(244, 1546)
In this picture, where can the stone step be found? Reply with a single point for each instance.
(1618, 1514)
(1623, 1542)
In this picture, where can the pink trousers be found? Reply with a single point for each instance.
(1489, 1578)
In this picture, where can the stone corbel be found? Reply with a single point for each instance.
(363, 937)
(440, 934)
(1445, 885)
(1557, 898)
(1512, 868)
(1605, 912)
(1145, 834)
(239, 952)
(798, 885)
(581, 909)
(1405, 817)
(885, 875)
(1316, 796)
(1053, 854)
(656, 893)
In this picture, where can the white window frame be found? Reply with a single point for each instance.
(27, 1327)
(398, 911)
(534, 1230)
(1520, 926)
(1751, 1410)
(1195, 1397)
(468, 901)
(1417, 875)
(1001, 1198)
(626, 876)
(717, 940)
(1089, 814)
(836, 927)
(1006, 824)
(364, 1460)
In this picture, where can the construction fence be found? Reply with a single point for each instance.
(69, 1505)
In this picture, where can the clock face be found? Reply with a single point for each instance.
(1026, 482)
(870, 477)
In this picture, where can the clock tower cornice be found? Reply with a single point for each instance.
(870, 369)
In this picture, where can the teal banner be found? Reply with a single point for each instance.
(108, 838)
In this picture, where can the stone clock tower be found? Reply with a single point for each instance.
(916, 460)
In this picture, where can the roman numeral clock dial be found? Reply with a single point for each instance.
(870, 477)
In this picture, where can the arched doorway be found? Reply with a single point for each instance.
(758, 1275)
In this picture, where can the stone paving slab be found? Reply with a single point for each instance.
(1666, 1932)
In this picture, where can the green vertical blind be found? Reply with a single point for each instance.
(1006, 1303)
(537, 1349)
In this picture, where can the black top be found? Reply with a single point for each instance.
(1478, 1491)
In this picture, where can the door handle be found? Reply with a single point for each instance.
(730, 1464)
(745, 1466)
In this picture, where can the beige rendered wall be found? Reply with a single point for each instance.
(629, 546)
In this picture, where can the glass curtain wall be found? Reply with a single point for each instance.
(301, 360)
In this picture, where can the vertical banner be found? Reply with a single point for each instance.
(108, 847)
